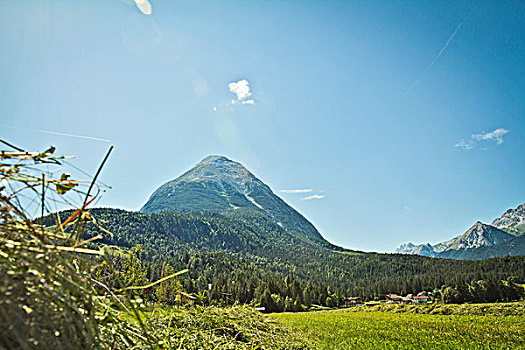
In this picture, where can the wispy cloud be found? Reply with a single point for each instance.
(241, 89)
(313, 196)
(305, 190)
(465, 145)
(494, 135)
(59, 133)
(436, 58)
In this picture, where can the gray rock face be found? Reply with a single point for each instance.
(219, 184)
(512, 221)
(420, 249)
(407, 248)
(479, 236)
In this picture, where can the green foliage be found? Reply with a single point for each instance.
(241, 255)
(483, 291)
(133, 271)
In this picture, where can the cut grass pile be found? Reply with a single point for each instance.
(403, 330)
(237, 327)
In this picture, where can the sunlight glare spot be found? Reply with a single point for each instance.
(144, 6)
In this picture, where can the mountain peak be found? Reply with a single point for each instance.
(219, 184)
(479, 235)
(215, 158)
(512, 221)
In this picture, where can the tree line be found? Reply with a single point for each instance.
(249, 259)
(483, 291)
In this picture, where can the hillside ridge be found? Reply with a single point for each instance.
(218, 184)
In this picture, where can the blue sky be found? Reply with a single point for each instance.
(405, 120)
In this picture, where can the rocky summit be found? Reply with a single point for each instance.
(479, 235)
(218, 184)
(512, 221)
(502, 238)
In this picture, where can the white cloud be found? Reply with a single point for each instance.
(144, 6)
(464, 145)
(313, 196)
(494, 135)
(297, 191)
(241, 89)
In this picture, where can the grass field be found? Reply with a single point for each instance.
(403, 330)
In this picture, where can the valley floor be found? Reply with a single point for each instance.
(410, 329)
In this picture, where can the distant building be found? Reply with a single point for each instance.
(420, 299)
(352, 301)
(394, 298)
(409, 299)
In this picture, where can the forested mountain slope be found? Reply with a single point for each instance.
(256, 241)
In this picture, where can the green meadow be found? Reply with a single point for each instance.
(405, 330)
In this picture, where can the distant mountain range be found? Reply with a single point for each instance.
(504, 237)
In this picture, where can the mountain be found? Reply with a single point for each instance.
(479, 235)
(420, 249)
(217, 184)
(512, 221)
(481, 241)
(512, 247)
